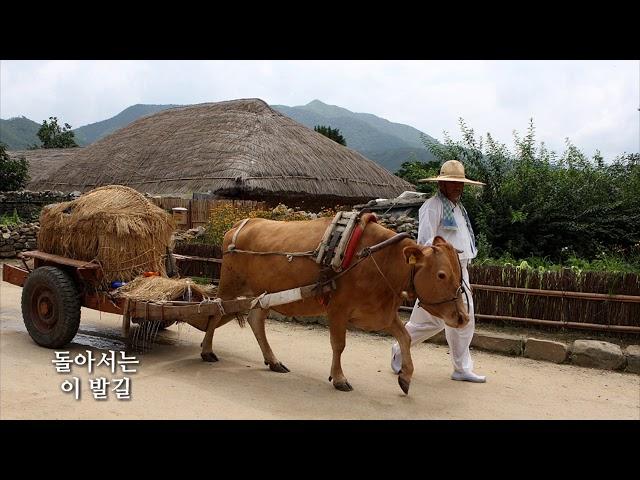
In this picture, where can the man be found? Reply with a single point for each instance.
(444, 215)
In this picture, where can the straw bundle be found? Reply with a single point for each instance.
(114, 225)
(165, 289)
(160, 289)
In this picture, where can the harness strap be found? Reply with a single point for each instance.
(235, 235)
(232, 247)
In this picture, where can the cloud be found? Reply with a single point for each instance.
(594, 103)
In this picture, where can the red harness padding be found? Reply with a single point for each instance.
(355, 238)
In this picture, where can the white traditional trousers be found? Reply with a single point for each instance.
(422, 325)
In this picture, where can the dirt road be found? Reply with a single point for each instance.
(172, 382)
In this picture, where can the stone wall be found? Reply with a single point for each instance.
(18, 238)
(27, 204)
(399, 222)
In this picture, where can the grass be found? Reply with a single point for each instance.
(7, 220)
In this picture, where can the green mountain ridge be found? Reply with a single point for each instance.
(95, 131)
(387, 143)
(404, 132)
(19, 133)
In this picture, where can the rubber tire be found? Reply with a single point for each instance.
(64, 297)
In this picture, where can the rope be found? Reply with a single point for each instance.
(235, 235)
(309, 253)
(342, 272)
(383, 276)
(232, 247)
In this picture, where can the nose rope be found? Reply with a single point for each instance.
(385, 278)
(462, 285)
(464, 290)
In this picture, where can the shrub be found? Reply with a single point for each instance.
(224, 215)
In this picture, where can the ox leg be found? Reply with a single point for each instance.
(338, 333)
(404, 340)
(256, 321)
(207, 344)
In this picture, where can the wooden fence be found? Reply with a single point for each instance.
(204, 260)
(198, 210)
(592, 300)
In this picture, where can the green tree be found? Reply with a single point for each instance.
(414, 170)
(13, 172)
(536, 204)
(332, 133)
(52, 136)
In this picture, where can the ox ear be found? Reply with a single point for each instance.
(438, 241)
(412, 254)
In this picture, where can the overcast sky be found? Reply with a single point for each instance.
(594, 103)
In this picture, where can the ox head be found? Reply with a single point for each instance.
(438, 280)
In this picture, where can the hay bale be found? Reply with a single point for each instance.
(113, 225)
(165, 289)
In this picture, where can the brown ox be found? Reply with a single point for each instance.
(365, 297)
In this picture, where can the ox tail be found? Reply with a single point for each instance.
(242, 319)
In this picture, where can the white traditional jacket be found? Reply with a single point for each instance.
(430, 226)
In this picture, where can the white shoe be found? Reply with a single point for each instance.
(468, 377)
(396, 359)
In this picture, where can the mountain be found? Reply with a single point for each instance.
(388, 144)
(95, 131)
(19, 133)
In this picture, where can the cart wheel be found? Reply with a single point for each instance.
(50, 307)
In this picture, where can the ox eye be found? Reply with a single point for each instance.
(441, 274)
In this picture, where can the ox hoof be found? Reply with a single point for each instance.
(404, 385)
(277, 367)
(209, 357)
(343, 386)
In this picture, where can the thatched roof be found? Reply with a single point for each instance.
(239, 148)
(43, 162)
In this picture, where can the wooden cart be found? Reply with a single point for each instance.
(56, 287)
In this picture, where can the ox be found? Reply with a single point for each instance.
(367, 296)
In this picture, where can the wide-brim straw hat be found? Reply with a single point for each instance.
(451, 171)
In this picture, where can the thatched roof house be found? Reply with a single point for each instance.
(236, 149)
(42, 163)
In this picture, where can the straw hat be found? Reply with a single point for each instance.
(451, 171)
